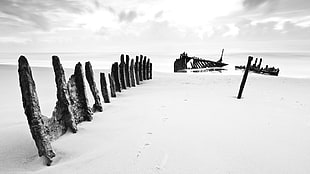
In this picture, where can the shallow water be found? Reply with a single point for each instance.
(291, 64)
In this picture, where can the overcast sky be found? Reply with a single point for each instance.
(154, 25)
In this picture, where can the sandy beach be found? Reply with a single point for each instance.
(175, 123)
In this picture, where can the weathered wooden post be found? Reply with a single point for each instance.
(90, 79)
(104, 88)
(132, 73)
(122, 72)
(137, 71)
(77, 91)
(33, 112)
(112, 85)
(127, 71)
(62, 113)
(148, 69)
(144, 68)
(151, 70)
(260, 63)
(254, 65)
(245, 77)
(116, 77)
(141, 68)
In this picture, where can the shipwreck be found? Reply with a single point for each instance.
(195, 64)
(256, 68)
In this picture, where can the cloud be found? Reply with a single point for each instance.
(127, 17)
(38, 13)
(159, 14)
(11, 39)
(276, 6)
(250, 4)
(233, 30)
(172, 22)
(271, 31)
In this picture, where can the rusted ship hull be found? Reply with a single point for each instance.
(185, 63)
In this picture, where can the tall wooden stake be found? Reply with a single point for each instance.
(151, 70)
(104, 89)
(122, 72)
(132, 73)
(32, 110)
(137, 74)
(93, 88)
(245, 77)
(141, 68)
(148, 69)
(144, 68)
(115, 73)
(127, 71)
(112, 86)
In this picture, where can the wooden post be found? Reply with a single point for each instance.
(112, 85)
(97, 107)
(144, 68)
(151, 70)
(62, 117)
(132, 73)
(141, 68)
(116, 76)
(260, 63)
(137, 71)
(78, 97)
(104, 88)
(148, 69)
(254, 65)
(33, 112)
(245, 77)
(127, 71)
(122, 72)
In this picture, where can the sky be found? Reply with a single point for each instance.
(154, 25)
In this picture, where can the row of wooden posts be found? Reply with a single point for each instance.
(72, 105)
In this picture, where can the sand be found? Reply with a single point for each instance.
(175, 123)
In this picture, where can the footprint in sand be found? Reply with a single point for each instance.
(145, 145)
(162, 162)
(164, 119)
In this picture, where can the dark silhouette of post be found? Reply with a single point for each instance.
(144, 68)
(259, 64)
(78, 97)
(148, 69)
(132, 73)
(245, 77)
(116, 77)
(63, 111)
(97, 107)
(137, 71)
(127, 71)
(151, 69)
(122, 72)
(33, 112)
(104, 88)
(141, 68)
(254, 65)
(112, 86)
